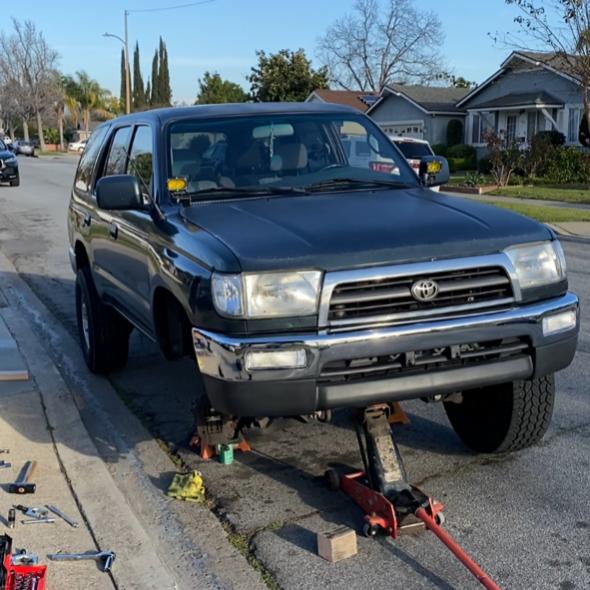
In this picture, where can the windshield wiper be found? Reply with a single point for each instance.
(244, 190)
(357, 183)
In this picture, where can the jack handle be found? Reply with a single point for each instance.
(452, 545)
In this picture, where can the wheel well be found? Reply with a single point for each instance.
(173, 328)
(81, 256)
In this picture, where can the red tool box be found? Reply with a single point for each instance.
(24, 577)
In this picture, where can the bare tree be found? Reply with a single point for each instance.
(15, 108)
(29, 62)
(380, 42)
(563, 28)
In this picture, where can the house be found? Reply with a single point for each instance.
(361, 101)
(531, 92)
(423, 112)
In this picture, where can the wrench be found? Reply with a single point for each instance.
(104, 558)
(59, 513)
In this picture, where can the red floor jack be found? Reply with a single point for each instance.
(390, 503)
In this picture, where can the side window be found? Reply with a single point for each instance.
(88, 159)
(141, 157)
(117, 160)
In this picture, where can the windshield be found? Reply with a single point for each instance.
(287, 151)
(414, 149)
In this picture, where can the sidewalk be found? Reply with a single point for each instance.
(100, 466)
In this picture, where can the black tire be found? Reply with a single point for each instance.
(506, 417)
(104, 333)
(15, 182)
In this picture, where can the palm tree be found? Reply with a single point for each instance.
(90, 96)
(71, 93)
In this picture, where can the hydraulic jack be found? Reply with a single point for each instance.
(392, 505)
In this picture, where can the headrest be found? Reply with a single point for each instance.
(289, 156)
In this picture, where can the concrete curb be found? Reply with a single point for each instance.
(127, 512)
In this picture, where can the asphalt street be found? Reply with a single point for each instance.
(523, 516)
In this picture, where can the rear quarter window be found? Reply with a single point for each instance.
(88, 160)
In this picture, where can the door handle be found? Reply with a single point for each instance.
(114, 230)
(87, 220)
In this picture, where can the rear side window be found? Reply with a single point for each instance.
(88, 159)
(412, 149)
(141, 158)
(117, 160)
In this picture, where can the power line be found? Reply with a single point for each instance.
(170, 7)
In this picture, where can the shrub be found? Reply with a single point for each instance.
(454, 132)
(553, 137)
(51, 135)
(504, 158)
(440, 149)
(484, 166)
(473, 179)
(567, 165)
(464, 155)
(458, 164)
(538, 155)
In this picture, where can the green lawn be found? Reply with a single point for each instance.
(545, 214)
(567, 195)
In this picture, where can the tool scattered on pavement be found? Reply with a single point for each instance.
(22, 485)
(105, 559)
(5, 464)
(24, 558)
(187, 486)
(337, 544)
(11, 518)
(390, 503)
(59, 513)
(7, 451)
(21, 570)
(38, 521)
(32, 511)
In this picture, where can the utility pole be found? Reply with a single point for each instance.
(127, 73)
(125, 41)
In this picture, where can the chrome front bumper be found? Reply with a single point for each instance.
(223, 357)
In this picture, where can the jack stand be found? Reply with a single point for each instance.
(215, 430)
(390, 503)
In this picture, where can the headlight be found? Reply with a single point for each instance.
(538, 264)
(267, 295)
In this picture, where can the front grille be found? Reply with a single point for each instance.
(419, 361)
(391, 298)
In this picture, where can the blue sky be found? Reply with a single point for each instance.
(223, 35)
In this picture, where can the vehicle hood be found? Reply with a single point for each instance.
(333, 231)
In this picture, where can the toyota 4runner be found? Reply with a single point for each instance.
(302, 279)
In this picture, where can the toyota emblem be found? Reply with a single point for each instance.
(424, 290)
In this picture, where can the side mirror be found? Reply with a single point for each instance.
(120, 192)
(434, 171)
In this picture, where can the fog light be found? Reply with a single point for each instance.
(257, 360)
(560, 322)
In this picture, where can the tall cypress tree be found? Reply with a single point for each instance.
(165, 92)
(155, 95)
(123, 93)
(138, 87)
(148, 94)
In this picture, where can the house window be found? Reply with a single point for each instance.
(481, 123)
(573, 128)
(511, 128)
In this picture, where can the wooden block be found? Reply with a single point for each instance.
(337, 544)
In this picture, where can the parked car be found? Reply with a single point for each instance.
(302, 281)
(8, 166)
(26, 148)
(413, 150)
(77, 146)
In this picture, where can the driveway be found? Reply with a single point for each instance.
(522, 516)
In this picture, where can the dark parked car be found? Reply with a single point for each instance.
(26, 148)
(8, 166)
(303, 281)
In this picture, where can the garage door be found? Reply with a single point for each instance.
(415, 130)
